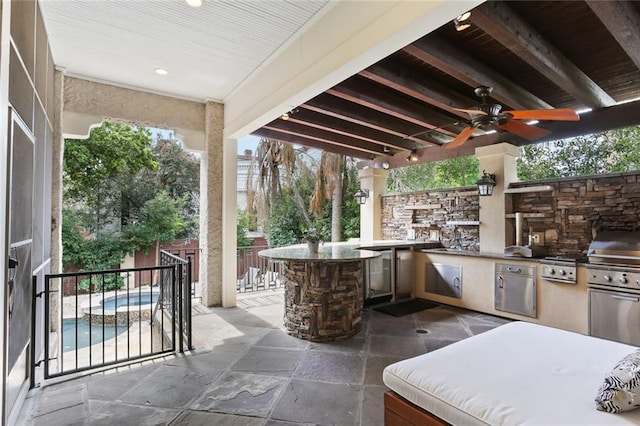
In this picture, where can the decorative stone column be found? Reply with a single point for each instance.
(323, 300)
(495, 232)
(373, 180)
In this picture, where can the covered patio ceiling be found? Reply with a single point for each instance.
(581, 55)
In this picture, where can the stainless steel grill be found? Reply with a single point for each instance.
(613, 278)
(615, 248)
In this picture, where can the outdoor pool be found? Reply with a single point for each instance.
(132, 300)
(69, 342)
(122, 308)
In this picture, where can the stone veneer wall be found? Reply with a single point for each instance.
(578, 207)
(450, 205)
(569, 215)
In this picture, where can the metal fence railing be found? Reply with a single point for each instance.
(108, 320)
(255, 273)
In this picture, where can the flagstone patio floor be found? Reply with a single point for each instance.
(246, 370)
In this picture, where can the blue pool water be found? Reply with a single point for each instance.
(134, 299)
(84, 331)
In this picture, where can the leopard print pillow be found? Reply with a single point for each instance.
(621, 388)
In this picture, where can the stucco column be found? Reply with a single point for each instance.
(371, 212)
(211, 229)
(229, 221)
(56, 175)
(495, 232)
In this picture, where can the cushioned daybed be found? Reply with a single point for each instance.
(519, 373)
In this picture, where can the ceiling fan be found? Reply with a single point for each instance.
(487, 116)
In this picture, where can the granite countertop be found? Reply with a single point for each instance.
(327, 252)
(471, 253)
(387, 244)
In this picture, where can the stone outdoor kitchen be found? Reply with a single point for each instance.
(459, 243)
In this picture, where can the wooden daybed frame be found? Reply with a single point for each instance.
(400, 412)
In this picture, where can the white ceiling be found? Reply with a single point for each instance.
(209, 51)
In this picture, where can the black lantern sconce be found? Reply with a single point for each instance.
(486, 184)
(361, 196)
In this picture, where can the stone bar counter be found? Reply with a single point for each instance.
(323, 291)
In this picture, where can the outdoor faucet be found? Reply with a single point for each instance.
(457, 241)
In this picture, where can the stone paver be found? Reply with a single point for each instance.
(247, 371)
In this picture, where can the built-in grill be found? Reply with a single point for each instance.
(613, 278)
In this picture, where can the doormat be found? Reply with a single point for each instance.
(407, 307)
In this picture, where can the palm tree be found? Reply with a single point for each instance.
(329, 185)
(271, 156)
(274, 157)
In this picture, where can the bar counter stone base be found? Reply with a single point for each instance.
(323, 300)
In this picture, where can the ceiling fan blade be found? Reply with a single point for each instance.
(525, 131)
(559, 114)
(461, 138)
(471, 112)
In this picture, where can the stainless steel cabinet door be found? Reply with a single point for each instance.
(445, 280)
(404, 274)
(515, 290)
(615, 316)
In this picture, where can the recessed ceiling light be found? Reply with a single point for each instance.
(161, 71)
(194, 3)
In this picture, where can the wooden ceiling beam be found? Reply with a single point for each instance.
(319, 135)
(444, 56)
(320, 121)
(506, 27)
(311, 143)
(369, 96)
(403, 82)
(345, 110)
(613, 117)
(623, 22)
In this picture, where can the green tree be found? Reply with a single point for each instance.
(607, 152)
(131, 173)
(244, 224)
(450, 173)
(159, 220)
(112, 152)
(290, 176)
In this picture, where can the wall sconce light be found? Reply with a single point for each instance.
(486, 184)
(462, 21)
(413, 157)
(361, 196)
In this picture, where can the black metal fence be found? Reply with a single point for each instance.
(109, 320)
(177, 279)
(255, 273)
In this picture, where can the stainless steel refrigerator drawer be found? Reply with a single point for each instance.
(614, 316)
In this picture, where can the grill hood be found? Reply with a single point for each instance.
(615, 248)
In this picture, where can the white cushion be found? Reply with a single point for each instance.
(516, 374)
